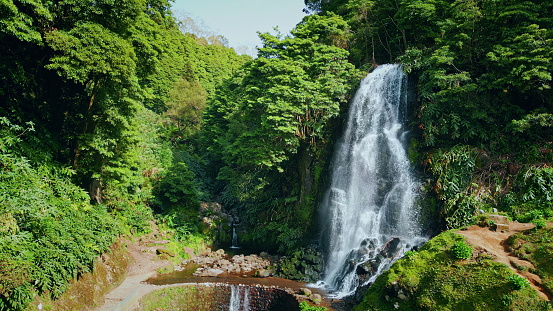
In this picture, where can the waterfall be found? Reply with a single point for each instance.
(239, 298)
(368, 212)
(234, 237)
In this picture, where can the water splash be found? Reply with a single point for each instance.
(369, 211)
(239, 298)
(234, 237)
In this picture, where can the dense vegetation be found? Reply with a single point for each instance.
(97, 99)
(482, 71)
(536, 246)
(269, 129)
(483, 76)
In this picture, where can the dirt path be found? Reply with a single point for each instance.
(495, 243)
(145, 264)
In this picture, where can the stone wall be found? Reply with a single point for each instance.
(216, 297)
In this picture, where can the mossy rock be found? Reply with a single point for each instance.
(432, 279)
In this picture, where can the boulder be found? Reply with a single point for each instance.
(211, 272)
(316, 298)
(263, 273)
(305, 291)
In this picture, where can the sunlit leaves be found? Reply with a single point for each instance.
(24, 19)
(185, 108)
(91, 53)
(526, 60)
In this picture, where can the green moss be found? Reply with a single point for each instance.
(179, 298)
(536, 245)
(432, 279)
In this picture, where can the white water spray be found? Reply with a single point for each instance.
(234, 237)
(369, 213)
(239, 298)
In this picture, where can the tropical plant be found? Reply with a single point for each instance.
(461, 250)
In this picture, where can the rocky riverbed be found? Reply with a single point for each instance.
(218, 263)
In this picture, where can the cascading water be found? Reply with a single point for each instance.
(234, 237)
(239, 298)
(369, 211)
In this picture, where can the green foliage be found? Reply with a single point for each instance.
(539, 223)
(185, 108)
(268, 125)
(453, 172)
(517, 282)
(431, 281)
(177, 186)
(305, 306)
(304, 265)
(76, 77)
(24, 24)
(180, 224)
(536, 245)
(461, 250)
(529, 199)
(537, 185)
(51, 232)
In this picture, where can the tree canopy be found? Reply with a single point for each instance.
(278, 107)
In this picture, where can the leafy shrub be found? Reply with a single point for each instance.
(537, 185)
(516, 282)
(461, 250)
(303, 265)
(452, 170)
(177, 187)
(539, 223)
(52, 233)
(530, 216)
(304, 306)
(178, 223)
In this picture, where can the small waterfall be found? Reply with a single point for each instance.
(234, 237)
(368, 212)
(239, 298)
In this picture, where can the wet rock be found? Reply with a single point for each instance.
(316, 298)
(238, 264)
(401, 295)
(305, 291)
(392, 248)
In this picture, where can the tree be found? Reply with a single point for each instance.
(270, 122)
(185, 108)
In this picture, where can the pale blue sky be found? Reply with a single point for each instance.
(239, 20)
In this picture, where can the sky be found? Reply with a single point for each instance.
(239, 20)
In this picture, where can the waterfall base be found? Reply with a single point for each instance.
(219, 297)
